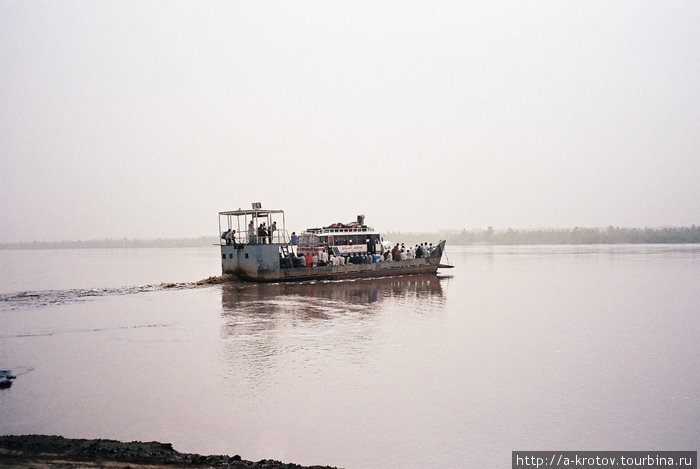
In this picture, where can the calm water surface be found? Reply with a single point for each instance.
(557, 347)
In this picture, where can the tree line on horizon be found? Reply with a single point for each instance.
(577, 235)
(490, 236)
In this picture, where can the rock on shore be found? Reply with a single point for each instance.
(6, 378)
(43, 451)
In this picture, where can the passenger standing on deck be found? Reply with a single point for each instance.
(251, 232)
(309, 261)
(395, 253)
(231, 237)
(273, 227)
(295, 238)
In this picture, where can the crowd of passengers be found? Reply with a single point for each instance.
(261, 235)
(323, 258)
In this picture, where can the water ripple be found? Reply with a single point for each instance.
(48, 333)
(40, 299)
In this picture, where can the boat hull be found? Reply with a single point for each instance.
(260, 263)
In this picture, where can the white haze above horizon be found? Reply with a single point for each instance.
(143, 119)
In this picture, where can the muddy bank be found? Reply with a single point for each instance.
(42, 451)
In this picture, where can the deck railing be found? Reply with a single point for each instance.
(278, 237)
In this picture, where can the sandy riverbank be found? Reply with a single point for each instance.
(55, 452)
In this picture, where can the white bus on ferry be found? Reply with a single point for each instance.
(341, 239)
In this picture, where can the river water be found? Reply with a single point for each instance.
(517, 348)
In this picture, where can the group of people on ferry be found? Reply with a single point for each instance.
(323, 258)
(260, 235)
(264, 235)
(263, 232)
(402, 253)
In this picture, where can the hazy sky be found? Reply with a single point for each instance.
(146, 118)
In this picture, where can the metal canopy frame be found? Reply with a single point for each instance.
(257, 213)
(252, 215)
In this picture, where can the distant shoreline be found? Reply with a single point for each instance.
(489, 236)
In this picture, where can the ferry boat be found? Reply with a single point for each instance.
(256, 246)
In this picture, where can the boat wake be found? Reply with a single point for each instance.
(39, 299)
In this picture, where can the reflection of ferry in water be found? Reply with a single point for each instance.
(255, 246)
(361, 292)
